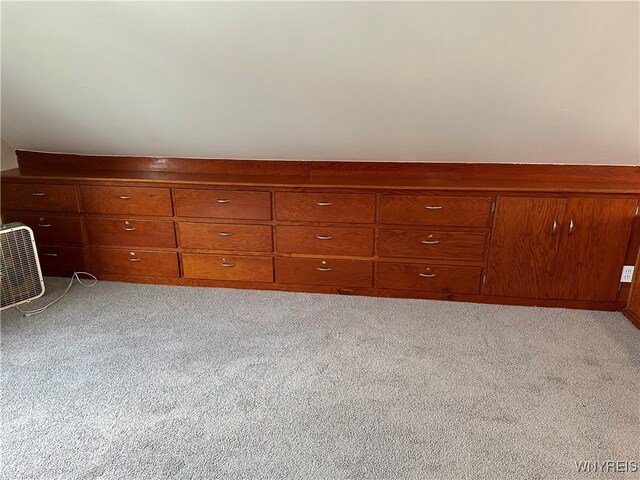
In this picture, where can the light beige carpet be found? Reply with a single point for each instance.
(124, 381)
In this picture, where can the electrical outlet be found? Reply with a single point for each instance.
(627, 274)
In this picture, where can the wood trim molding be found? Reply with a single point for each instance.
(331, 174)
(314, 168)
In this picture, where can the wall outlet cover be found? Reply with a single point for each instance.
(627, 274)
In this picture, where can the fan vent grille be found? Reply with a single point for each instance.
(21, 278)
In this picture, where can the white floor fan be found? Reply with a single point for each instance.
(21, 277)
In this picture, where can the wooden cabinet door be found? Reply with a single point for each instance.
(524, 246)
(594, 241)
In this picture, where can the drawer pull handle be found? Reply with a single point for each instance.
(223, 200)
(228, 265)
(554, 227)
(135, 259)
(571, 225)
(324, 269)
(324, 204)
(225, 234)
(124, 197)
(430, 242)
(129, 229)
(44, 225)
(433, 207)
(38, 194)
(427, 275)
(324, 237)
(50, 254)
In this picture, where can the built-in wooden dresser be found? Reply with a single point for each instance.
(515, 234)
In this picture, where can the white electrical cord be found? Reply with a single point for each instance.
(75, 276)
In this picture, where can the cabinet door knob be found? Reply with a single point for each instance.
(124, 197)
(433, 207)
(571, 225)
(430, 242)
(324, 237)
(225, 234)
(427, 275)
(324, 204)
(38, 194)
(324, 269)
(223, 200)
(228, 265)
(135, 259)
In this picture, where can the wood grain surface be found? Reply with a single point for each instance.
(524, 246)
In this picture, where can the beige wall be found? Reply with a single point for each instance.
(7, 157)
(551, 82)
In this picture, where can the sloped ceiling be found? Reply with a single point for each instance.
(429, 81)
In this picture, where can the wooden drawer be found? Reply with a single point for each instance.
(326, 207)
(223, 204)
(47, 198)
(228, 267)
(126, 200)
(226, 236)
(325, 240)
(59, 261)
(49, 228)
(134, 262)
(311, 271)
(428, 278)
(431, 244)
(435, 210)
(130, 232)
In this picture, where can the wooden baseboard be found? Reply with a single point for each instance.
(632, 316)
